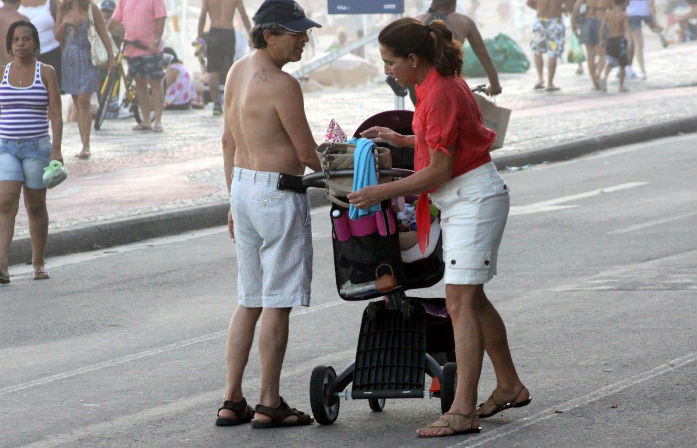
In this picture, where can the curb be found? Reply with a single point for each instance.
(128, 230)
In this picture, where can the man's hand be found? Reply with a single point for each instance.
(230, 226)
(155, 47)
(381, 134)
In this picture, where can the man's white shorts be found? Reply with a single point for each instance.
(474, 209)
(273, 240)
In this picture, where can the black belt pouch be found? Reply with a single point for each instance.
(291, 182)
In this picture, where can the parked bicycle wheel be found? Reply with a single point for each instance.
(106, 93)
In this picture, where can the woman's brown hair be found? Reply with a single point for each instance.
(433, 43)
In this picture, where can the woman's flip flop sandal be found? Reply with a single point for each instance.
(279, 415)
(498, 407)
(140, 127)
(455, 422)
(243, 413)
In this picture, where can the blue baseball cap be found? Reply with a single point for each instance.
(108, 5)
(286, 13)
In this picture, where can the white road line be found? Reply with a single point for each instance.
(211, 398)
(553, 204)
(140, 355)
(652, 223)
(606, 391)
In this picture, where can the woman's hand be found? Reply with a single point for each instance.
(366, 197)
(56, 154)
(494, 89)
(381, 134)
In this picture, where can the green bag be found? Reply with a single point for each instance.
(576, 54)
(506, 54)
(54, 174)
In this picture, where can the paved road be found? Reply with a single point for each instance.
(597, 284)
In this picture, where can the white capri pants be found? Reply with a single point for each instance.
(273, 239)
(474, 209)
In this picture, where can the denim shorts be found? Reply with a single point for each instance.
(149, 66)
(635, 21)
(24, 160)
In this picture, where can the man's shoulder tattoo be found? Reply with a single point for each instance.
(261, 75)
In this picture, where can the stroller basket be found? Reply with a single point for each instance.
(391, 355)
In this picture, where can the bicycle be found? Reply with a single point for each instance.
(110, 88)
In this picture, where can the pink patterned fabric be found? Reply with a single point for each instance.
(334, 133)
(181, 91)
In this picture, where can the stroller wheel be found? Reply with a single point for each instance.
(325, 408)
(448, 381)
(376, 404)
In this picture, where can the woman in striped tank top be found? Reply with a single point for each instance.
(29, 96)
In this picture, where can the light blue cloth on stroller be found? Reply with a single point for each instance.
(363, 174)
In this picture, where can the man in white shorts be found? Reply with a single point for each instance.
(267, 144)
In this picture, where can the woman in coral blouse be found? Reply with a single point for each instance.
(453, 167)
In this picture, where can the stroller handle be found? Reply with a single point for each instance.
(317, 179)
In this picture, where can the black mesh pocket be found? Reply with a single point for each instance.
(357, 260)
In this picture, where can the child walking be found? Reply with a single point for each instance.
(617, 23)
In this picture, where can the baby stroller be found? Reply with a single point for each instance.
(402, 339)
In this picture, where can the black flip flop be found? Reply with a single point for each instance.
(4, 279)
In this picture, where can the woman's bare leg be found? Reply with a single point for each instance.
(9, 205)
(461, 301)
(35, 202)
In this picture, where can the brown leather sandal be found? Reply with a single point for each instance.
(455, 422)
(243, 413)
(498, 407)
(279, 415)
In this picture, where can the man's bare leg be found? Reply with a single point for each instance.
(157, 100)
(214, 86)
(591, 51)
(143, 100)
(551, 71)
(240, 336)
(539, 65)
(273, 339)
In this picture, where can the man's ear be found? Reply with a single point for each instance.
(268, 37)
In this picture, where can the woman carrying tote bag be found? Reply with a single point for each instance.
(80, 75)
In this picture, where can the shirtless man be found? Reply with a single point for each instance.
(266, 133)
(464, 28)
(220, 41)
(8, 15)
(589, 28)
(548, 38)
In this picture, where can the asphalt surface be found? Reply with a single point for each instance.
(124, 347)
